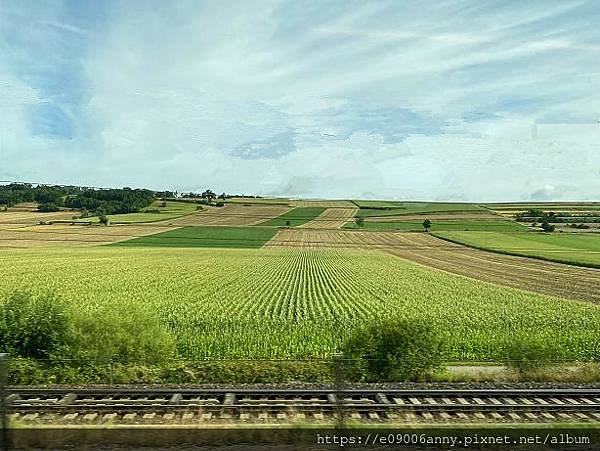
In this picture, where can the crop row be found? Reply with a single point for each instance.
(294, 303)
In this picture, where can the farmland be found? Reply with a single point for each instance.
(535, 275)
(323, 203)
(19, 218)
(61, 235)
(295, 217)
(234, 214)
(287, 303)
(331, 218)
(157, 211)
(197, 236)
(578, 249)
(492, 225)
(393, 208)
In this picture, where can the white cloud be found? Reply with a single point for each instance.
(244, 99)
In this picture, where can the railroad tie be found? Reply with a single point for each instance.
(89, 417)
(108, 417)
(445, 416)
(70, 417)
(31, 416)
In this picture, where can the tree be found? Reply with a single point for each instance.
(547, 227)
(103, 220)
(427, 225)
(288, 223)
(360, 221)
(208, 195)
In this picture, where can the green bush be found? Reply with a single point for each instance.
(33, 326)
(528, 354)
(394, 350)
(120, 336)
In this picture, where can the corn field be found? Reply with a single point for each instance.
(293, 303)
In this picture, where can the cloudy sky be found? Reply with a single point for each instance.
(441, 100)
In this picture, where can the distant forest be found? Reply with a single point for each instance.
(98, 201)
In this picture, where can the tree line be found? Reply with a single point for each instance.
(99, 201)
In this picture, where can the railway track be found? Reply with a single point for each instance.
(188, 406)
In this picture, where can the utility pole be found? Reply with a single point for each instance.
(5, 439)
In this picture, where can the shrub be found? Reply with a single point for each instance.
(120, 336)
(33, 326)
(394, 350)
(527, 354)
(103, 220)
(547, 227)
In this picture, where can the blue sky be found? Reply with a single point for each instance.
(445, 100)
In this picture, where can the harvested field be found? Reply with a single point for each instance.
(417, 226)
(519, 272)
(315, 238)
(27, 217)
(232, 215)
(323, 203)
(332, 218)
(73, 235)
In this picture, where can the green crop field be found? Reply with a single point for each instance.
(206, 236)
(296, 217)
(407, 226)
(574, 248)
(297, 303)
(391, 208)
(546, 206)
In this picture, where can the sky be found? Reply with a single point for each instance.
(444, 100)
